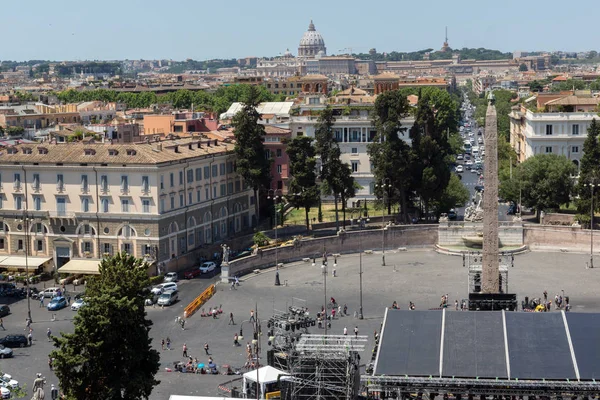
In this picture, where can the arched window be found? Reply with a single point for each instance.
(207, 217)
(223, 212)
(86, 229)
(127, 231)
(191, 222)
(173, 227)
(104, 205)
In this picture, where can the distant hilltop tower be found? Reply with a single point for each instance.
(445, 47)
(312, 43)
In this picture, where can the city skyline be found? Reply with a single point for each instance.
(157, 30)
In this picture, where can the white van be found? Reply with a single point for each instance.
(475, 151)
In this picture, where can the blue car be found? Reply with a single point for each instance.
(57, 303)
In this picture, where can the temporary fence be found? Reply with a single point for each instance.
(199, 301)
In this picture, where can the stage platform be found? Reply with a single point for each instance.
(489, 345)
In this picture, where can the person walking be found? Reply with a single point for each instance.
(2, 324)
(162, 343)
(30, 338)
(356, 332)
(231, 322)
(206, 348)
(41, 301)
(545, 296)
(185, 349)
(49, 334)
(50, 363)
(168, 343)
(69, 299)
(252, 319)
(456, 305)
(182, 324)
(236, 341)
(345, 331)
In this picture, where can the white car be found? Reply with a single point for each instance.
(171, 277)
(474, 170)
(480, 141)
(77, 304)
(460, 157)
(9, 382)
(459, 169)
(4, 392)
(469, 163)
(163, 287)
(208, 267)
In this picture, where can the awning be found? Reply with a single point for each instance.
(19, 263)
(81, 266)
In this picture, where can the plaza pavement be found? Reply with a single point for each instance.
(420, 276)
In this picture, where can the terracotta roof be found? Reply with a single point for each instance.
(270, 130)
(386, 76)
(413, 100)
(105, 153)
(559, 78)
(574, 101)
(313, 77)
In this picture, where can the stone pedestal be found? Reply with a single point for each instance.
(225, 272)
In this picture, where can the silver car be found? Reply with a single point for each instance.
(168, 298)
(5, 352)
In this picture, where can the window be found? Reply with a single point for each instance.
(222, 169)
(20, 244)
(230, 188)
(162, 205)
(106, 248)
(548, 149)
(575, 149)
(548, 129)
(36, 181)
(104, 183)
(162, 182)
(17, 182)
(198, 174)
(18, 202)
(279, 153)
(146, 206)
(229, 167)
(206, 172)
(124, 184)
(237, 186)
(267, 154)
(2, 244)
(207, 193)
(215, 171)
(126, 247)
(279, 169)
(125, 205)
(39, 228)
(60, 183)
(190, 198)
(87, 229)
(172, 179)
(223, 189)
(198, 195)
(215, 191)
(190, 175)
(191, 239)
(354, 166)
(87, 247)
(172, 202)
(104, 205)
(39, 245)
(575, 130)
(85, 204)
(181, 198)
(181, 177)
(355, 150)
(145, 184)
(84, 183)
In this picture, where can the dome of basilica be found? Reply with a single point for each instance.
(311, 43)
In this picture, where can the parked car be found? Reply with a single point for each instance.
(459, 157)
(192, 273)
(50, 292)
(4, 310)
(5, 352)
(57, 303)
(13, 341)
(512, 209)
(163, 287)
(207, 267)
(7, 380)
(77, 304)
(167, 298)
(171, 277)
(452, 214)
(479, 188)
(4, 392)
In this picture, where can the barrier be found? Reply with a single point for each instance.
(199, 301)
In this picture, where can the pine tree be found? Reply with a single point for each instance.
(109, 355)
(252, 163)
(589, 170)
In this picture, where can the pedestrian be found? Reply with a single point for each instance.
(184, 350)
(206, 348)
(231, 322)
(339, 310)
(456, 305)
(168, 343)
(376, 336)
(182, 324)
(545, 296)
(28, 323)
(69, 299)
(50, 363)
(49, 334)
(345, 331)
(236, 341)
(30, 338)
(252, 319)
(214, 313)
(345, 309)
(232, 286)
(2, 324)
(41, 301)
(53, 392)
(356, 332)
(333, 313)
(237, 281)
(162, 343)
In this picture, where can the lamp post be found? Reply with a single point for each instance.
(385, 186)
(361, 222)
(592, 185)
(272, 195)
(324, 271)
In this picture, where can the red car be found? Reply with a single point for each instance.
(192, 273)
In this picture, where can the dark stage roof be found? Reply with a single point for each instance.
(490, 344)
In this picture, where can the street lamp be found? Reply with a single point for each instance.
(592, 185)
(385, 187)
(361, 222)
(272, 195)
(324, 271)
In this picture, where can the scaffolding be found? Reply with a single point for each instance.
(380, 387)
(474, 260)
(322, 367)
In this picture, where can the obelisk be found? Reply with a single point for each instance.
(490, 267)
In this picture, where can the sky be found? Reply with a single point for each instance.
(199, 29)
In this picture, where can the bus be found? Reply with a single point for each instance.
(467, 147)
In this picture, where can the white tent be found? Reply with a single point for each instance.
(266, 375)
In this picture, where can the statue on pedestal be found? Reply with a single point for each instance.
(226, 251)
(38, 388)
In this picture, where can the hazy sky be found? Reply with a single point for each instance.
(200, 29)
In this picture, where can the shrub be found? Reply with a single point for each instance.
(260, 239)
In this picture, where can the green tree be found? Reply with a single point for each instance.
(389, 153)
(342, 183)
(536, 86)
(455, 195)
(546, 181)
(109, 355)
(303, 189)
(523, 67)
(589, 169)
(252, 163)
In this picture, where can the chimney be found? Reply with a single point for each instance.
(216, 142)
(190, 146)
(208, 143)
(176, 149)
(199, 144)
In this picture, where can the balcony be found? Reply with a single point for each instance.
(85, 189)
(17, 187)
(60, 188)
(36, 187)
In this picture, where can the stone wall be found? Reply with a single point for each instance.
(558, 219)
(451, 234)
(566, 238)
(350, 242)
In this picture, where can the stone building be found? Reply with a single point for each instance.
(166, 201)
